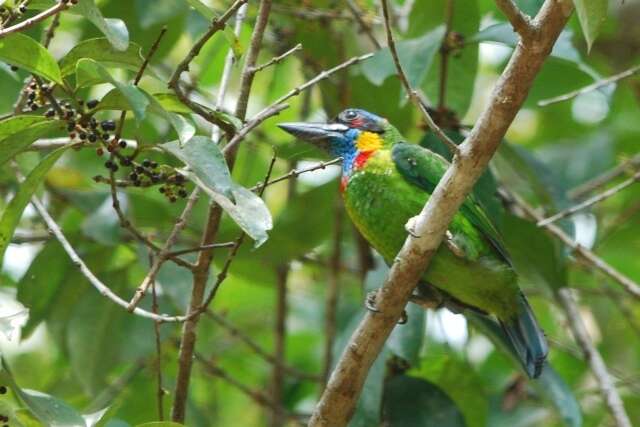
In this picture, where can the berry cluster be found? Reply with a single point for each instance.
(85, 129)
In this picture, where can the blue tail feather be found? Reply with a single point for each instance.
(527, 338)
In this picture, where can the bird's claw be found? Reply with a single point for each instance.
(403, 318)
(410, 227)
(370, 304)
(451, 245)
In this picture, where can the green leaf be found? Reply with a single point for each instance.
(184, 128)
(458, 379)
(17, 123)
(101, 50)
(592, 15)
(49, 410)
(202, 9)
(26, 53)
(416, 56)
(114, 100)
(210, 172)
(15, 143)
(410, 402)
(89, 73)
(114, 29)
(13, 212)
(536, 257)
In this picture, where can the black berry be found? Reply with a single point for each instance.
(92, 137)
(146, 163)
(182, 193)
(92, 103)
(3, 389)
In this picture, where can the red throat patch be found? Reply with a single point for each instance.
(361, 159)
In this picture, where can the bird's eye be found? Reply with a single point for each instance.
(350, 114)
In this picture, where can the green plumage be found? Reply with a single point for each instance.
(380, 200)
(386, 182)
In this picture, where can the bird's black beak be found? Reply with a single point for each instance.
(315, 133)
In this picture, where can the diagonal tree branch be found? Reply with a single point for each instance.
(337, 403)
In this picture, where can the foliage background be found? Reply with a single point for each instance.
(84, 350)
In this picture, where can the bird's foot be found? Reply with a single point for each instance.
(370, 304)
(410, 227)
(451, 245)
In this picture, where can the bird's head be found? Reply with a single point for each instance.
(353, 132)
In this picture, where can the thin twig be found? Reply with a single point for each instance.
(277, 59)
(230, 149)
(413, 95)
(235, 332)
(19, 238)
(364, 26)
(629, 285)
(88, 274)
(590, 201)
(520, 22)
(202, 248)
(164, 253)
(53, 10)
(279, 105)
(594, 359)
(294, 173)
(216, 25)
(605, 177)
(226, 71)
(248, 69)
(597, 85)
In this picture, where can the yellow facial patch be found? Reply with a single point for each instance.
(368, 141)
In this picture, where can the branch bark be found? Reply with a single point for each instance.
(339, 399)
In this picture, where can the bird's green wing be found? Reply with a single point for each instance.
(424, 169)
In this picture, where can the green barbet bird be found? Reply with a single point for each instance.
(386, 182)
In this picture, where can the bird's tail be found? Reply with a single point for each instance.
(527, 338)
